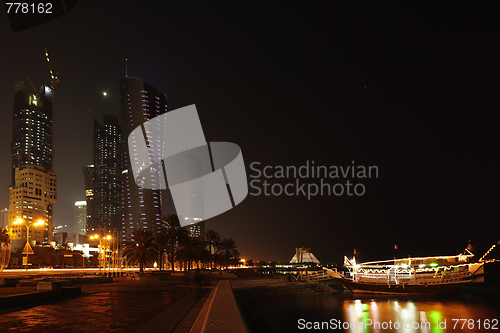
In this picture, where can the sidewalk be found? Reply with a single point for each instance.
(215, 311)
(122, 306)
(180, 316)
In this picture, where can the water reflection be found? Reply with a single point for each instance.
(424, 315)
(365, 313)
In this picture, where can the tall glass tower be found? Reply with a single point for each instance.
(140, 102)
(33, 189)
(32, 129)
(103, 178)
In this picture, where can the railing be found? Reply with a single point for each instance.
(413, 279)
(325, 274)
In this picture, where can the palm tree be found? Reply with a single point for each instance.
(174, 234)
(42, 255)
(217, 258)
(212, 238)
(162, 244)
(228, 250)
(191, 249)
(141, 248)
(4, 248)
(4, 236)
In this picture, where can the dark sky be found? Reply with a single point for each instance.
(411, 89)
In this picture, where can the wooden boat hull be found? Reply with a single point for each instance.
(431, 289)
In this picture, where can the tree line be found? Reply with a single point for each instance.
(174, 243)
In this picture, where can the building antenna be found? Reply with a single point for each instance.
(53, 81)
(126, 72)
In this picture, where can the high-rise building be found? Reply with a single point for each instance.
(197, 229)
(34, 184)
(31, 200)
(4, 218)
(32, 129)
(140, 102)
(80, 217)
(88, 177)
(103, 178)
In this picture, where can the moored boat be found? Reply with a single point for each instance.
(423, 275)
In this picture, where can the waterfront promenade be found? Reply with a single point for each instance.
(130, 305)
(263, 304)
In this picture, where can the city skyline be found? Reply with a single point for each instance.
(411, 93)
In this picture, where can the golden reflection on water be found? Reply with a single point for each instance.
(393, 315)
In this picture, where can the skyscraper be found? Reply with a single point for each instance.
(103, 178)
(140, 102)
(4, 218)
(32, 129)
(80, 217)
(31, 199)
(196, 229)
(88, 177)
(34, 184)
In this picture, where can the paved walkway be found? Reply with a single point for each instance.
(121, 306)
(143, 306)
(223, 314)
(180, 317)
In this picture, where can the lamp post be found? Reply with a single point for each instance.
(28, 226)
(108, 237)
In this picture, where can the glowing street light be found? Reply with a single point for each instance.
(28, 249)
(96, 237)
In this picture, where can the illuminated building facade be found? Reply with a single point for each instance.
(103, 178)
(32, 129)
(80, 217)
(140, 102)
(33, 189)
(303, 255)
(4, 218)
(31, 200)
(88, 177)
(197, 229)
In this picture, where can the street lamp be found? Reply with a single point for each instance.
(28, 226)
(96, 237)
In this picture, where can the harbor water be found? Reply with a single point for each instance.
(347, 312)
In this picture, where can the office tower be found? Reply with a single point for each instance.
(140, 102)
(103, 178)
(34, 184)
(4, 218)
(80, 217)
(197, 229)
(88, 177)
(31, 200)
(32, 129)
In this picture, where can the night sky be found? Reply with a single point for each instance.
(411, 89)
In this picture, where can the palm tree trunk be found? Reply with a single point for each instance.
(172, 257)
(160, 259)
(210, 255)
